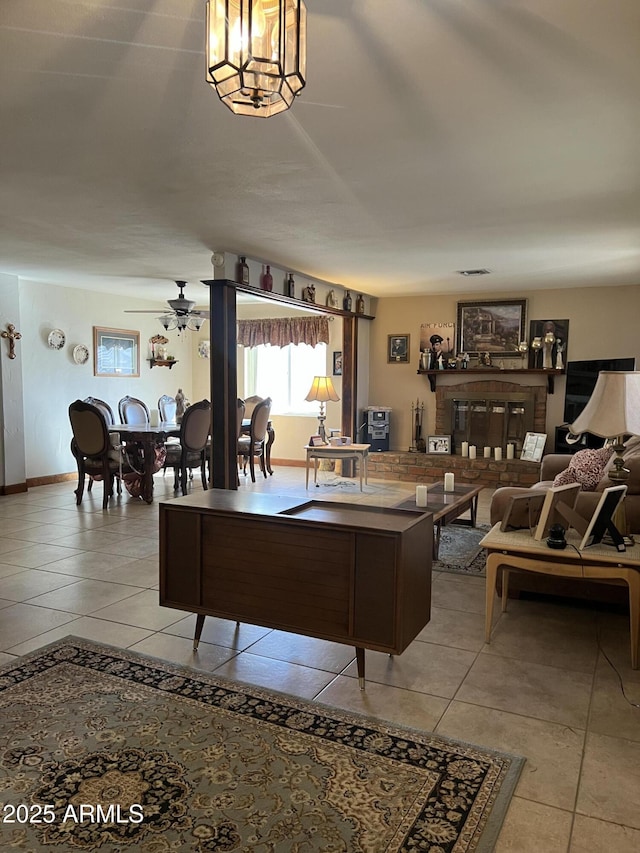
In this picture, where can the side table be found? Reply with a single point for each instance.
(519, 551)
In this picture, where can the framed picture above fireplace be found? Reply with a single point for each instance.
(491, 326)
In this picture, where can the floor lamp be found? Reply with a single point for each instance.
(613, 412)
(322, 391)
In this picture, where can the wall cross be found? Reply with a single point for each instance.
(12, 336)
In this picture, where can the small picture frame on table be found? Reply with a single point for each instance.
(316, 441)
(523, 512)
(439, 444)
(533, 446)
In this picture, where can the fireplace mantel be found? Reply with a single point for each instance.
(493, 371)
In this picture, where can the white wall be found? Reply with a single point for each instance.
(12, 456)
(53, 380)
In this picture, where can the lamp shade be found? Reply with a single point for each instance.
(614, 406)
(322, 390)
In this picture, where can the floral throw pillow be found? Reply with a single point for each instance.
(586, 467)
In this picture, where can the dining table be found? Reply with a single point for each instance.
(271, 437)
(148, 437)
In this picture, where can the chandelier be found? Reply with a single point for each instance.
(180, 322)
(256, 53)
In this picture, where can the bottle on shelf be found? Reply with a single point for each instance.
(243, 270)
(291, 286)
(347, 301)
(360, 304)
(267, 280)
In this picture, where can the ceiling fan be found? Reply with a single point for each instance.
(181, 317)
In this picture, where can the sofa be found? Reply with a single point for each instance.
(591, 469)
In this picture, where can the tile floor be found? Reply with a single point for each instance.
(542, 689)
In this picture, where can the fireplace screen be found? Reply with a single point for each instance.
(491, 420)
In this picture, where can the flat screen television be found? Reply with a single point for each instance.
(581, 380)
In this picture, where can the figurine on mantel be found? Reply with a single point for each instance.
(559, 351)
(309, 293)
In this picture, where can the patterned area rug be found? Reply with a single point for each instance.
(460, 552)
(103, 749)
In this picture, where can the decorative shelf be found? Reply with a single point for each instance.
(162, 362)
(493, 371)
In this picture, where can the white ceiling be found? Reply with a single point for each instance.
(432, 136)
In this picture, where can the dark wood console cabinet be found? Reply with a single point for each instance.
(348, 573)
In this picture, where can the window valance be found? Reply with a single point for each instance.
(282, 331)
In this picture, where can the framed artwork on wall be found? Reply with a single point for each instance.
(398, 349)
(337, 363)
(491, 326)
(548, 344)
(116, 352)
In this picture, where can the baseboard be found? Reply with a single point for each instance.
(288, 463)
(14, 489)
(32, 482)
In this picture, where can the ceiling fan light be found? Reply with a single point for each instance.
(256, 53)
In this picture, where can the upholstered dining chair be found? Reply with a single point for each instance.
(190, 451)
(250, 403)
(105, 408)
(253, 445)
(167, 409)
(133, 411)
(114, 438)
(92, 449)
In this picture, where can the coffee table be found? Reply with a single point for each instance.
(447, 507)
(517, 550)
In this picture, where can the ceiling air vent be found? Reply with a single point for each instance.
(474, 272)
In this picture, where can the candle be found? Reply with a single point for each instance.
(510, 451)
(497, 452)
(487, 453)
(421, 495)
(472, 451)
(465, 448)
(448, 482)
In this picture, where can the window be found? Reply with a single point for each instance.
(285, 374)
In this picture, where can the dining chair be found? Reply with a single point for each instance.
(253, 445)
(249, 405)
(133, 411)
(190, 451)
(105, 408)
(92, 449)
(167, 409)
(114, 438)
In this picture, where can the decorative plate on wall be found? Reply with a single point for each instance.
(81, 354)
(56, 339)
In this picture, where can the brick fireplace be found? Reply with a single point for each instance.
(510, 423)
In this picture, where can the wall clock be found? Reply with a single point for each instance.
(81, 354)
(56, 339)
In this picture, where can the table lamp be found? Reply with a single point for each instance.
(322, 390)
(612, 412)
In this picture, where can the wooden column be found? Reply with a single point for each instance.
(349, 385)
(224, 389)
